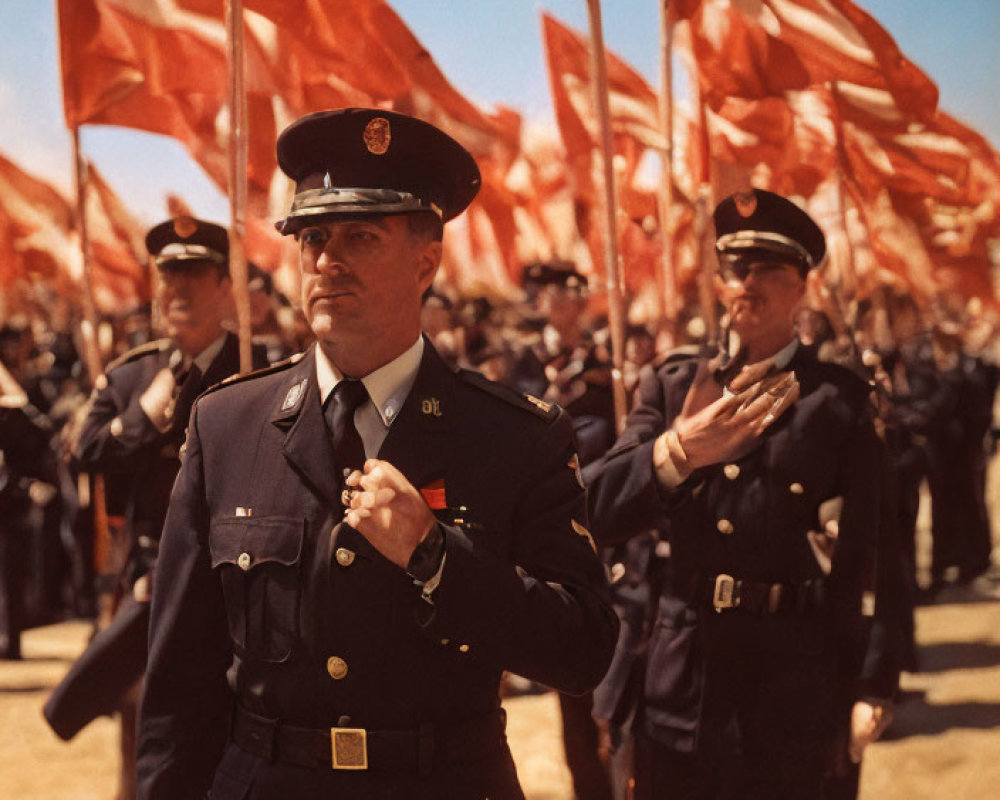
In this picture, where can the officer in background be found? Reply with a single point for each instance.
(133, 435)
(563, 364)
(28, 470)
(361, 540)
(763, 466)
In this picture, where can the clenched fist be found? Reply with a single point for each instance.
(388, 511)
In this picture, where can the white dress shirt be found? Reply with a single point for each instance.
(388, 388)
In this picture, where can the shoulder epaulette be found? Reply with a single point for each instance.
(232, 380)
(526, 402)
(156, 346)
(678, 355)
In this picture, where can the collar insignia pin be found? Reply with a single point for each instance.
(293, 396)
(431, 406)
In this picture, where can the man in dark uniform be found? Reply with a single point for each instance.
(766, 466)
(133, 434)
(563, 365)
(957, 456)
(27, 463)
(298, 651)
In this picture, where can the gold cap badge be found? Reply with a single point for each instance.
(746, 203)
(185, 227)
(377, 136)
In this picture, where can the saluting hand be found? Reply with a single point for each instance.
(388, 511)
(712, 428)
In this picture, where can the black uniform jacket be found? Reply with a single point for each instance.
(254, 606)
(748, 520)
(119, 440)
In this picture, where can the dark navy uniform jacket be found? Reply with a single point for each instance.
(119, 440)
(140, 463)
(240, 608)
(750, 519)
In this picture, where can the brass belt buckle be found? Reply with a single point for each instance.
(725, 593)
(349, 747)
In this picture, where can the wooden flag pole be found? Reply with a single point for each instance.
(666, 274)
(237, 102)
(704, 232)
(612, 267)
(88, 326)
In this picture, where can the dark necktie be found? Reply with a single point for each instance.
(343, 401)
(187, 383)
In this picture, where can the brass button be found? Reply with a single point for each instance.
(344, 556)
(337, 667)
(731, 471)
(724, 526)
(117, 427)
(796, 488)
(464, 648)
(445, 641)
(243, 561)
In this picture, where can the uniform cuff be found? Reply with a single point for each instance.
(428, 556)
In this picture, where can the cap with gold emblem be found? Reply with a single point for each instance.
(761, 225)
(178, 243)
(356, 161)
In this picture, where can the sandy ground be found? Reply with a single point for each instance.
(945, 742)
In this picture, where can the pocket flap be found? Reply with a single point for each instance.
(247, 542)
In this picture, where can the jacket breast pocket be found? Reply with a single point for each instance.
(259, 562)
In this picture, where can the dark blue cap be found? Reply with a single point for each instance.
(360, 161)
(182, 241)
(764, 225)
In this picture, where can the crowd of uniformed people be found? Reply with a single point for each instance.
(755, 521)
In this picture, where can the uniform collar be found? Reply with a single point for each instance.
(388, 386)
(205, 358)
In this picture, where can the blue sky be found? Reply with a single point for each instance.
(490, 49)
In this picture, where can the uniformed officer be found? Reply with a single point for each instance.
(765, 464)
(133, 435)
(296, 651)
(563, 364)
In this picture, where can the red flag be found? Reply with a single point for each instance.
(119, 276)
(760, 48)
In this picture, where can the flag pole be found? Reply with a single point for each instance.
(665, 273)
(88, 325)
(703, 230)
(237, 103)
(104, 539)
(612, 267)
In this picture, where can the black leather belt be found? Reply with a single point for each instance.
(727, 592)
(345, 748)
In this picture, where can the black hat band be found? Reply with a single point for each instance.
(769, 241)
(178, 251)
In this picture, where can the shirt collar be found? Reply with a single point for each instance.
(387, 386)
(204, 359)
